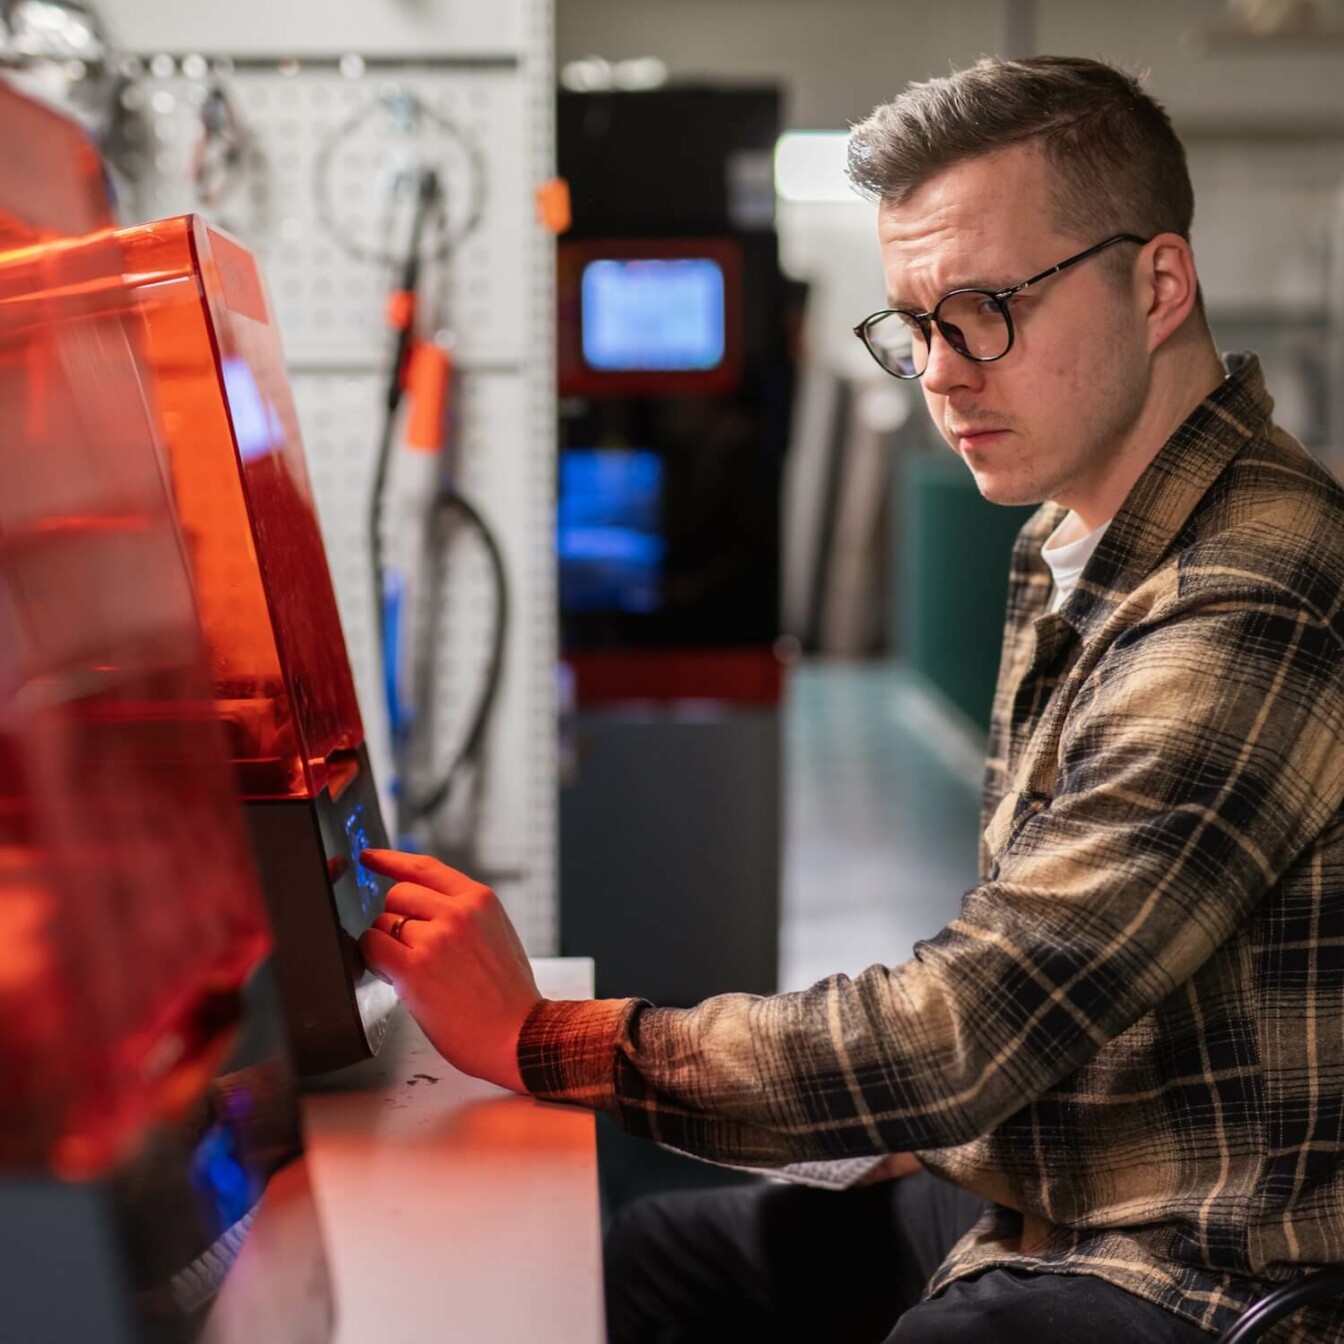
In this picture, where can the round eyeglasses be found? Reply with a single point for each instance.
(976, 323)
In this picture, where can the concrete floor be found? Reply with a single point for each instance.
(881, 785)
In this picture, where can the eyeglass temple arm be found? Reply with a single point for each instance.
(1072, 261)
(925, 318)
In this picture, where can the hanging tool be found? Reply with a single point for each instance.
(418, 521)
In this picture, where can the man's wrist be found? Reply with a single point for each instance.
(567, 1049)
(508, 1072)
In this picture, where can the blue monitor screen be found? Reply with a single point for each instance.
(653, 315)
(609, 535)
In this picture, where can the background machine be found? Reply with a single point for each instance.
(675, 379)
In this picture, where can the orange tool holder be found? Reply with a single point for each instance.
(428, 380)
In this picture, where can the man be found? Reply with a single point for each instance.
(1123, 1064)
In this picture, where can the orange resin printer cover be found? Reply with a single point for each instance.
(243, 500)
(235, 468)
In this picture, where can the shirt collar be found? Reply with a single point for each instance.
(1170, 488)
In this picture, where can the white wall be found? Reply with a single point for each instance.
(1267, 83)
(836, 58)
(839, 58)
(317, 27)
(1264, 124)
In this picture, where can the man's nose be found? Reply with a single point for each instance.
(947, 370)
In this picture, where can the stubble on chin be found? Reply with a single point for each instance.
(1008, 494)
(1009, 484)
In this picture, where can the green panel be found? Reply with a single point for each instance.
(954, 552)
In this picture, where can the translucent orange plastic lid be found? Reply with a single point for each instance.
(242, 495)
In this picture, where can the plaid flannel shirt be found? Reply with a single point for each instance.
(1131, 1040)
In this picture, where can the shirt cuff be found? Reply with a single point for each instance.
(567, 1049)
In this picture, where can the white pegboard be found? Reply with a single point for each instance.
(330, 306)
(495, 297)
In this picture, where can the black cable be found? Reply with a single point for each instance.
(428, 199)
(449, 501)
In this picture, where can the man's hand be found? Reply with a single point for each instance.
(456, 962)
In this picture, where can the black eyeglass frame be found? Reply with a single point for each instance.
(927, 321)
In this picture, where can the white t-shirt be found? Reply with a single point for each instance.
(1067, 551)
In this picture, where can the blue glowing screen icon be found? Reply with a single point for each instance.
(357, 836)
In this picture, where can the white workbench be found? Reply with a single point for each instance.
(452, 1210)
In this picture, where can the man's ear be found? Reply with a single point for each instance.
(1170, 285)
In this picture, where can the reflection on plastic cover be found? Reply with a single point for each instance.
(256, 424)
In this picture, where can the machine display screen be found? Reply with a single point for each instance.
(611, 547)
(665, 315)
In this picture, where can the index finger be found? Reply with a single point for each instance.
(418, 868)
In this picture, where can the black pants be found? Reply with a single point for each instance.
(779, 1264)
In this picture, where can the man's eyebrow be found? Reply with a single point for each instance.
(993, 286)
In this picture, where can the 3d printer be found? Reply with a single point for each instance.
(151, 1183)
(283, 685)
